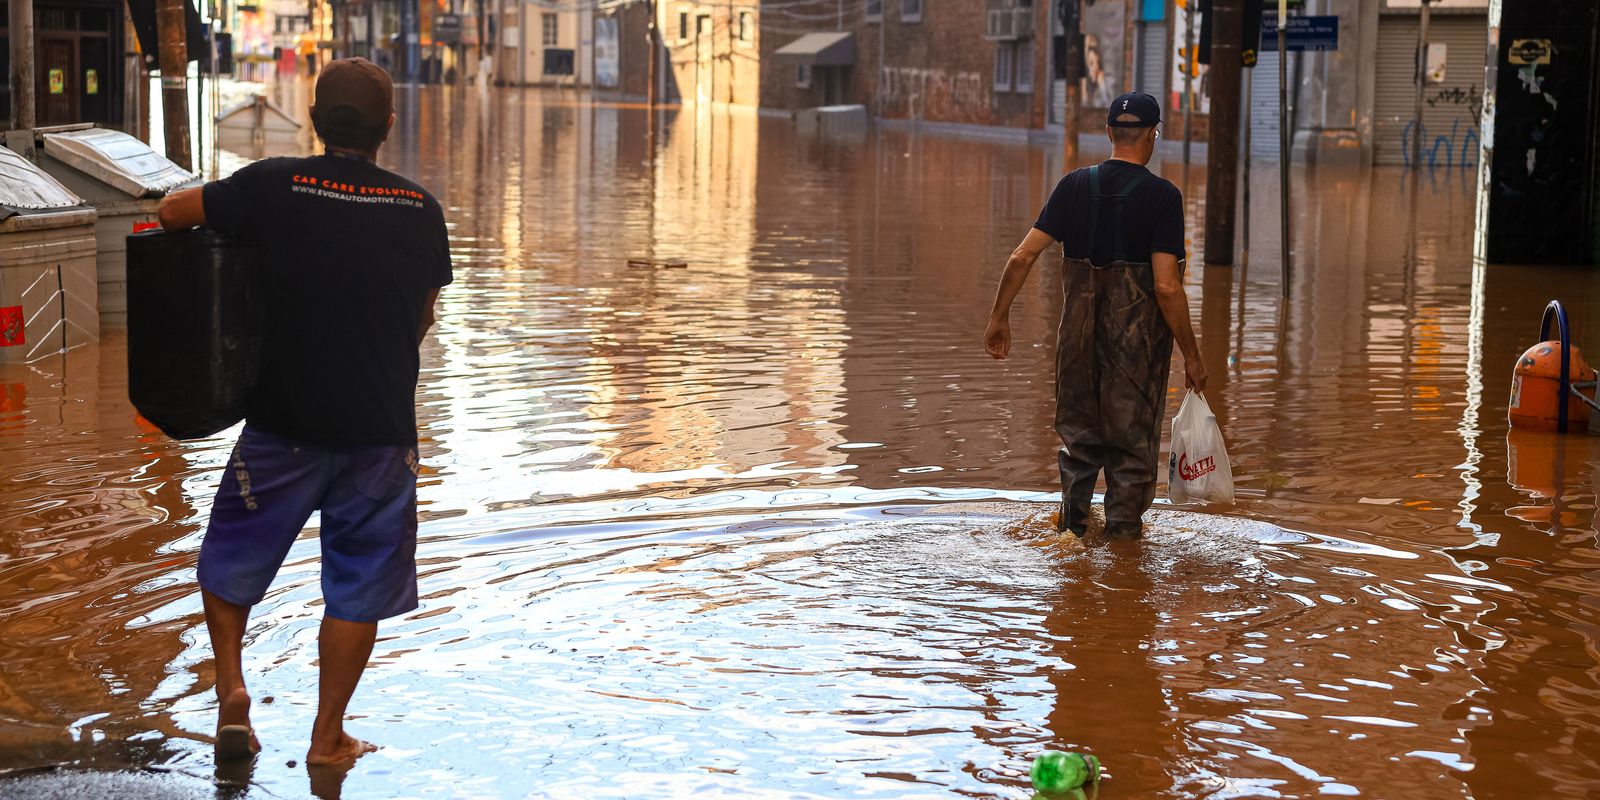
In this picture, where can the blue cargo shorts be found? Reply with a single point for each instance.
(368, 500)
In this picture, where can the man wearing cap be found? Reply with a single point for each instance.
(357, 256)
(1121, 235)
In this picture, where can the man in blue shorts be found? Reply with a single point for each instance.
(357, 256)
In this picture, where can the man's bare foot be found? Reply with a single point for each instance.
(345, 751)
(235, 737)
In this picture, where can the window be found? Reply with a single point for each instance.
(683, 26)
(1024, 64)
(702, 25)
(552, 29)
(747, 28)
(910, 10)
(802, 76)
(1003, 52)
(874, 10)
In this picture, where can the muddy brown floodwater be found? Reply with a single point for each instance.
(769, 525)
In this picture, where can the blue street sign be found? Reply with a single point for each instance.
(1305, 33)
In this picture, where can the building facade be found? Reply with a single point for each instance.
(711, 53)
(80, 63)
(963, 62)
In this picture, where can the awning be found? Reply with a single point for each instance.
(820, 50)
(143, 14)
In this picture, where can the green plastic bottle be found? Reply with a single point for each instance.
(1056, 773)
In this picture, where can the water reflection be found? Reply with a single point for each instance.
(1109, 698)
(751, 527)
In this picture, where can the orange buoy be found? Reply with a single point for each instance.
(1536, 388)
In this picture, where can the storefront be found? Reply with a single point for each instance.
(1458, 36)
(78, 62)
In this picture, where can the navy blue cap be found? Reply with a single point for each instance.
(1138, 104)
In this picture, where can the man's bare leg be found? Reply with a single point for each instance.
(343, 648)
(225, 622)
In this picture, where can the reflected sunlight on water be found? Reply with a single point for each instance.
(768, 525)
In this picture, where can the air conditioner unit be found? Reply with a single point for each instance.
(1001, 25)
(1008, 24)
(1022, 22)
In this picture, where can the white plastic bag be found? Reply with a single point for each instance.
(1198, 471)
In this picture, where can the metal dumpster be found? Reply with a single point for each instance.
(124, 180)
(47, 284)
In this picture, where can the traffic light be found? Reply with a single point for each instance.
(1252, 32)
(1250, 45)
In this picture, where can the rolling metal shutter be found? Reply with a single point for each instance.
(1450, 109)
(1264, 106)
(1150, 74)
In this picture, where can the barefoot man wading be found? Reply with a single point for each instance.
(357, 256)
(1121, 232)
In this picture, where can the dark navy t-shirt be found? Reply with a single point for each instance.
(1152, 215)
(353, 251)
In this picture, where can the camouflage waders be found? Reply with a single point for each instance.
(1113, 354)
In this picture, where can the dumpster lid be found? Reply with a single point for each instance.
(24, 187)
(115, 158)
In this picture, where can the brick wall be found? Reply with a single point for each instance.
(941, 69)
(633, 56)
(789, 21)
(936, 68)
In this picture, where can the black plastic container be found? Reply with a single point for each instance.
(195, 323)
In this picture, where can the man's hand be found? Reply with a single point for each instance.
(1194, 374)
(181, 211)
(997, 339)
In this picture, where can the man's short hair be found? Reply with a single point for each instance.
(1128, 136)
(343, 126)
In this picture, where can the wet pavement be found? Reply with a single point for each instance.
(769, 524)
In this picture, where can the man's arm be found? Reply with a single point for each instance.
(428, 317)
(1175, 309)
(997, 339)
(181, 211)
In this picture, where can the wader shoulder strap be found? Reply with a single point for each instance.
(1094, 211)
(1121, 254)
(1115, 201)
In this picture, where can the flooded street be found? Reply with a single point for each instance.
(771, 524)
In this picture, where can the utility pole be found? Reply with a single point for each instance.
(483, 32)
(409, 53)
(1250, 54)
(1249, 112)
(1283, 139)
(20, 25)
(1222, 155)
(1069, 115)
(1188, 77)
(173, 33)
(1422, 78)
(650, 89)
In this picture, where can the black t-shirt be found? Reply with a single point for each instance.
(1152, 215)
(353, 251)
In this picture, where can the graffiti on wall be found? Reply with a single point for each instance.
(1459, 147)
(933, 93)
